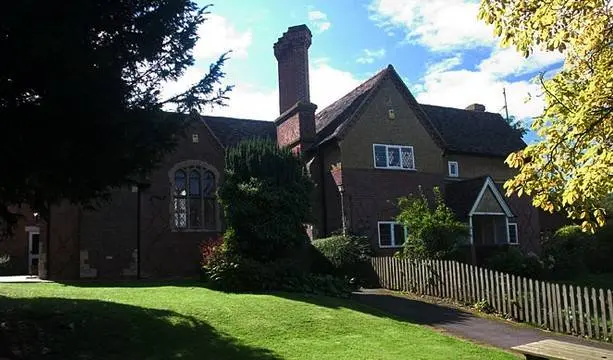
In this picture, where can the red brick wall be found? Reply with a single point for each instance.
(16, 246)
(288, 132)
(371, 196)
(165, 252)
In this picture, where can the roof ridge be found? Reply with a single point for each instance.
(455, 108)
(233, 118)
(378, 75)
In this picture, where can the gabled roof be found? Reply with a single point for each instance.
(230, 131)
(474, 132)
(335, 120)
(454, 130)
(464, 196)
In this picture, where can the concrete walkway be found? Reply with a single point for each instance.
(21, 279)
(499, 333)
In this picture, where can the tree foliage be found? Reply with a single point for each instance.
(266, 199)
(433, 232)
(571, 167)
(80, 95)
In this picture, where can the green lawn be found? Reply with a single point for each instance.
(187, 321)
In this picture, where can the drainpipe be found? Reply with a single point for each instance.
(341, 190)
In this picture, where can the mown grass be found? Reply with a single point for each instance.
(188, 321)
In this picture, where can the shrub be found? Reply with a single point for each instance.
(566, 250)
(434, 233)
(484, 306)
(229, 272)
(513, 261)
(342, 255)
(266, 200)
(5, 264)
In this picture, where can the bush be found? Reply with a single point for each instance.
(342, 255)
(566, 250)
(513, 261)
(434, 232)
(266, 200)
(5, 264)
(229, 272)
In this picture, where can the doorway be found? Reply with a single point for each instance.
(33, 250)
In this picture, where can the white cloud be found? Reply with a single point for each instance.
(508, 61)
(246, 101)
(319, 19)
(440, 25)
(217, 36)
(460, 88)
(369, 56)
(444, 65)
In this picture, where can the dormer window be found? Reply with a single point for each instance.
(452, 166)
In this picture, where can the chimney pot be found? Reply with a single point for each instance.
(476, 107)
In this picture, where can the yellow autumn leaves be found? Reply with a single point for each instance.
(570, 168)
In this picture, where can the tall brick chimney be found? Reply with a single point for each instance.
(296, 124)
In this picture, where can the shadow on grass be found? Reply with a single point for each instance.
(56, 328)
(372, 302)
(133, 283)
(385, 305)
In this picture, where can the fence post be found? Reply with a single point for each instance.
(525, 297)
(552, 305)
(596, 321)
(547, 305)
(537, 295)
(603, 312)
(610, 303)
(587, 312)
(559, 308)
(565, 309)
(580, 305)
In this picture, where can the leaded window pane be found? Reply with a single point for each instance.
(407, 158)
(195, 213)
(398, 234)
(194, 183)
(393, 156)
(180, 212)
(179, 181)
(210, 217)
(208, 183)
(380, 156)
(385, 234)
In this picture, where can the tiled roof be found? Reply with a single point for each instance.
(461, 195)
(329, 120)
(455, 130)
(474, 132)
(230, 131)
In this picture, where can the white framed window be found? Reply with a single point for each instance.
(513, 238)
(454, 170)
(391, 234)
(397, 157)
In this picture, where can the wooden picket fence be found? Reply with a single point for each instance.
(563, 308)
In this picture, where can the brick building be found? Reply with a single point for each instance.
(381, 142)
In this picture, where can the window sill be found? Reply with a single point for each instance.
(390, 247)
(395, 169)
(175, 230)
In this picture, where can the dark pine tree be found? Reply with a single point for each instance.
(80, 103)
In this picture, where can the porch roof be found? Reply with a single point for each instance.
(464, 197)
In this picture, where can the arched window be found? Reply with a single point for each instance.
(194, 205)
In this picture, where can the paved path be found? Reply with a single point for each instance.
(499, 333)
(21, 279)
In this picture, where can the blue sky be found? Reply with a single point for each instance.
(441, 50)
